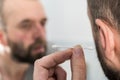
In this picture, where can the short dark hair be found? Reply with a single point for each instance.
(1, 14)
(106, 10)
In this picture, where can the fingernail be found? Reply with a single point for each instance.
(77, 50)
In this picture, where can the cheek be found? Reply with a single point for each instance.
(16, 36)
(19, 37)
(24, 38)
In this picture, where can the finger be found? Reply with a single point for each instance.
(51, 72)
(54, 59)
(42, 66)
(51, 78)
(78, 65)
(60, 73)
(40, 73)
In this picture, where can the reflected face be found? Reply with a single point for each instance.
(25, 29)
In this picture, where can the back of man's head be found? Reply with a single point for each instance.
(105, 20)
(106, 10)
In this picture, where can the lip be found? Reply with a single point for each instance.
(38, 49)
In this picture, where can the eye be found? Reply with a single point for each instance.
(43, 22)
(26, 25)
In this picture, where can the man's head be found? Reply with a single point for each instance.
(23, 28)
(105, 19)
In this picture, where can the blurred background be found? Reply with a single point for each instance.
(68, 25)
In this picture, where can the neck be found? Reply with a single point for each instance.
(11, 69)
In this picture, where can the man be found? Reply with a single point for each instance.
(23, 32)
(105, 19)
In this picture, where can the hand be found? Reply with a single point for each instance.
(47, 67)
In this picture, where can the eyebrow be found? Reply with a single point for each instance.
(28, 20)
(24, 21)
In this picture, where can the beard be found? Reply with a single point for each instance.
(19, 53)
(110, 72)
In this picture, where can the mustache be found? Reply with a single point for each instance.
(37, 43)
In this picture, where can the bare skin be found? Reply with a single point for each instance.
(47, 67)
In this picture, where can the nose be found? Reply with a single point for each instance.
(39, 31)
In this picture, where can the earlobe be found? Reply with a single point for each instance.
(106, 38)
(2, 38)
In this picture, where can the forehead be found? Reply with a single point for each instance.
(21, 9)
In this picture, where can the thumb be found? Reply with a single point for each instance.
(78, 66)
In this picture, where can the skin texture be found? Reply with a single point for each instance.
(47, 68)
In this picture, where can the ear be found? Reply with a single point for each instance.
(3, 40)
(107, 39)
